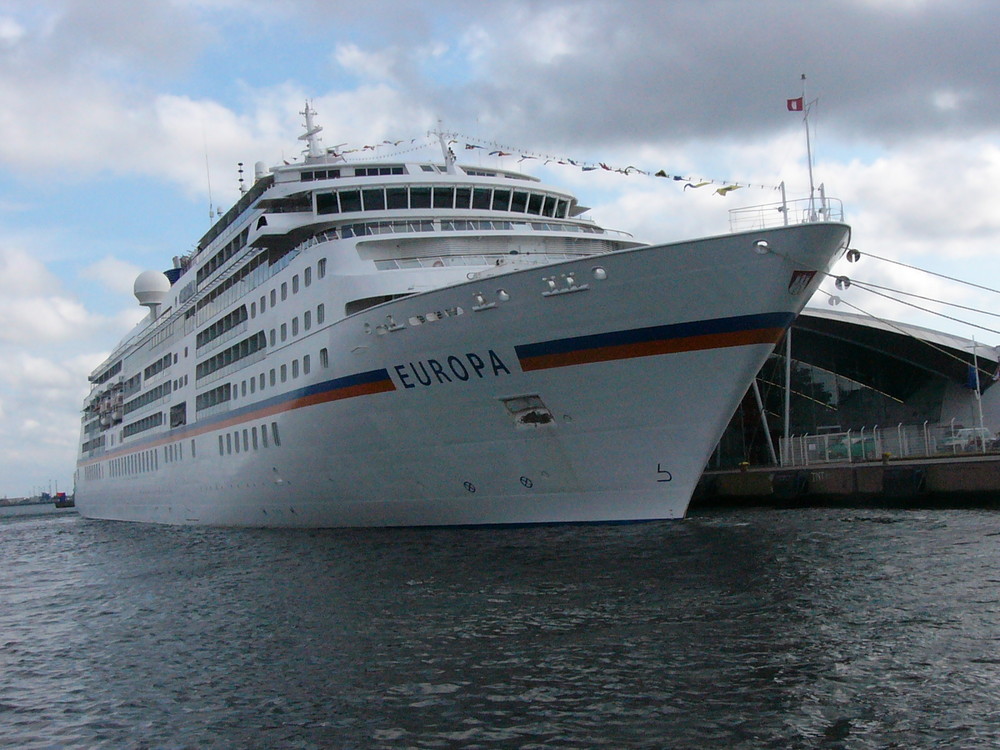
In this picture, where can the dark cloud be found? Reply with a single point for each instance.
(126, 38)
(662, 71)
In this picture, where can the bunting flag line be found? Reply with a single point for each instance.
(502, 151)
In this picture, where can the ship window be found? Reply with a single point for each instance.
(274, 297)
(321, 268)
(326, 203)
(284, 331)
(263, 435)
(229, 444)
(307, 276)
(284, 373)
(550, 206)
(221, 451)
(305, 365)
(324, 358)
(501, 200)
(253, 309)
(274, 434)
(320, 314)
(350, 200)
(295, 284)
(243, 389)
(295, 326)
(272, 377)
(193, 454)
(535, 204)
(420, 197)
(395, 197)
(463, 197)
(246, 443)
(374, 199)
(263, 305)
(271, 335)
(481, 198)
(178, 414)
(307, 319)
(519, 202)
(236, 435)
(560, 209)
(295, 368)
(253, 385)
(253, 436)
(262, 381)
(444, 197)
(284, 290)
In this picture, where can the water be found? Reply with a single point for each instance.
(747, 629)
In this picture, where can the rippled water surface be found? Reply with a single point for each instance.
(753, 629)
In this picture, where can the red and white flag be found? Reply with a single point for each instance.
(794, 105)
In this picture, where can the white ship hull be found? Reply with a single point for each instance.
(596, 399)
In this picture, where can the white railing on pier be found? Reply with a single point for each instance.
(878, 442)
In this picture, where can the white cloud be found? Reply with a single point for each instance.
(112, 273)
(28, 320)
(22, 274)
(11, 32)
(377, 65)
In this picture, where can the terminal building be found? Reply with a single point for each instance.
(860, 388)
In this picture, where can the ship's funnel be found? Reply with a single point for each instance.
(151, 289)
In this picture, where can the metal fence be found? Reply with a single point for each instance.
(877, 443)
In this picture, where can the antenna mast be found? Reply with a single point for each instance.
(208, 175)
(809, 158)
(313, 150)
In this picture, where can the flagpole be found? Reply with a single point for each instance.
(809, 159)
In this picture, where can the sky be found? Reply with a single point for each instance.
(122, 123)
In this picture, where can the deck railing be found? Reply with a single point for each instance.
(783, 213)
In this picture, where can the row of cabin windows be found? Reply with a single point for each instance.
(139, 462)
(408, 197)
(306, 325)
(159, 366)
(213, 263)
(282, 289)
(277, 375)
(246, 440)
(227, 283)
(232, 354)
(224, 324)
(141, 425)
(332, 174)
(154, 394)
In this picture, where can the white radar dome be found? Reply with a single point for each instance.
(151, 288)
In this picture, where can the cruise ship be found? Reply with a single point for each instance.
(405, 343)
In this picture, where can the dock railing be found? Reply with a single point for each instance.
(878, 443)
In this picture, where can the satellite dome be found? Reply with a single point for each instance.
(151, 288)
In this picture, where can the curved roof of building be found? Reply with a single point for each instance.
(832, 334)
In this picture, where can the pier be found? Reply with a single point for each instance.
(962, 481)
